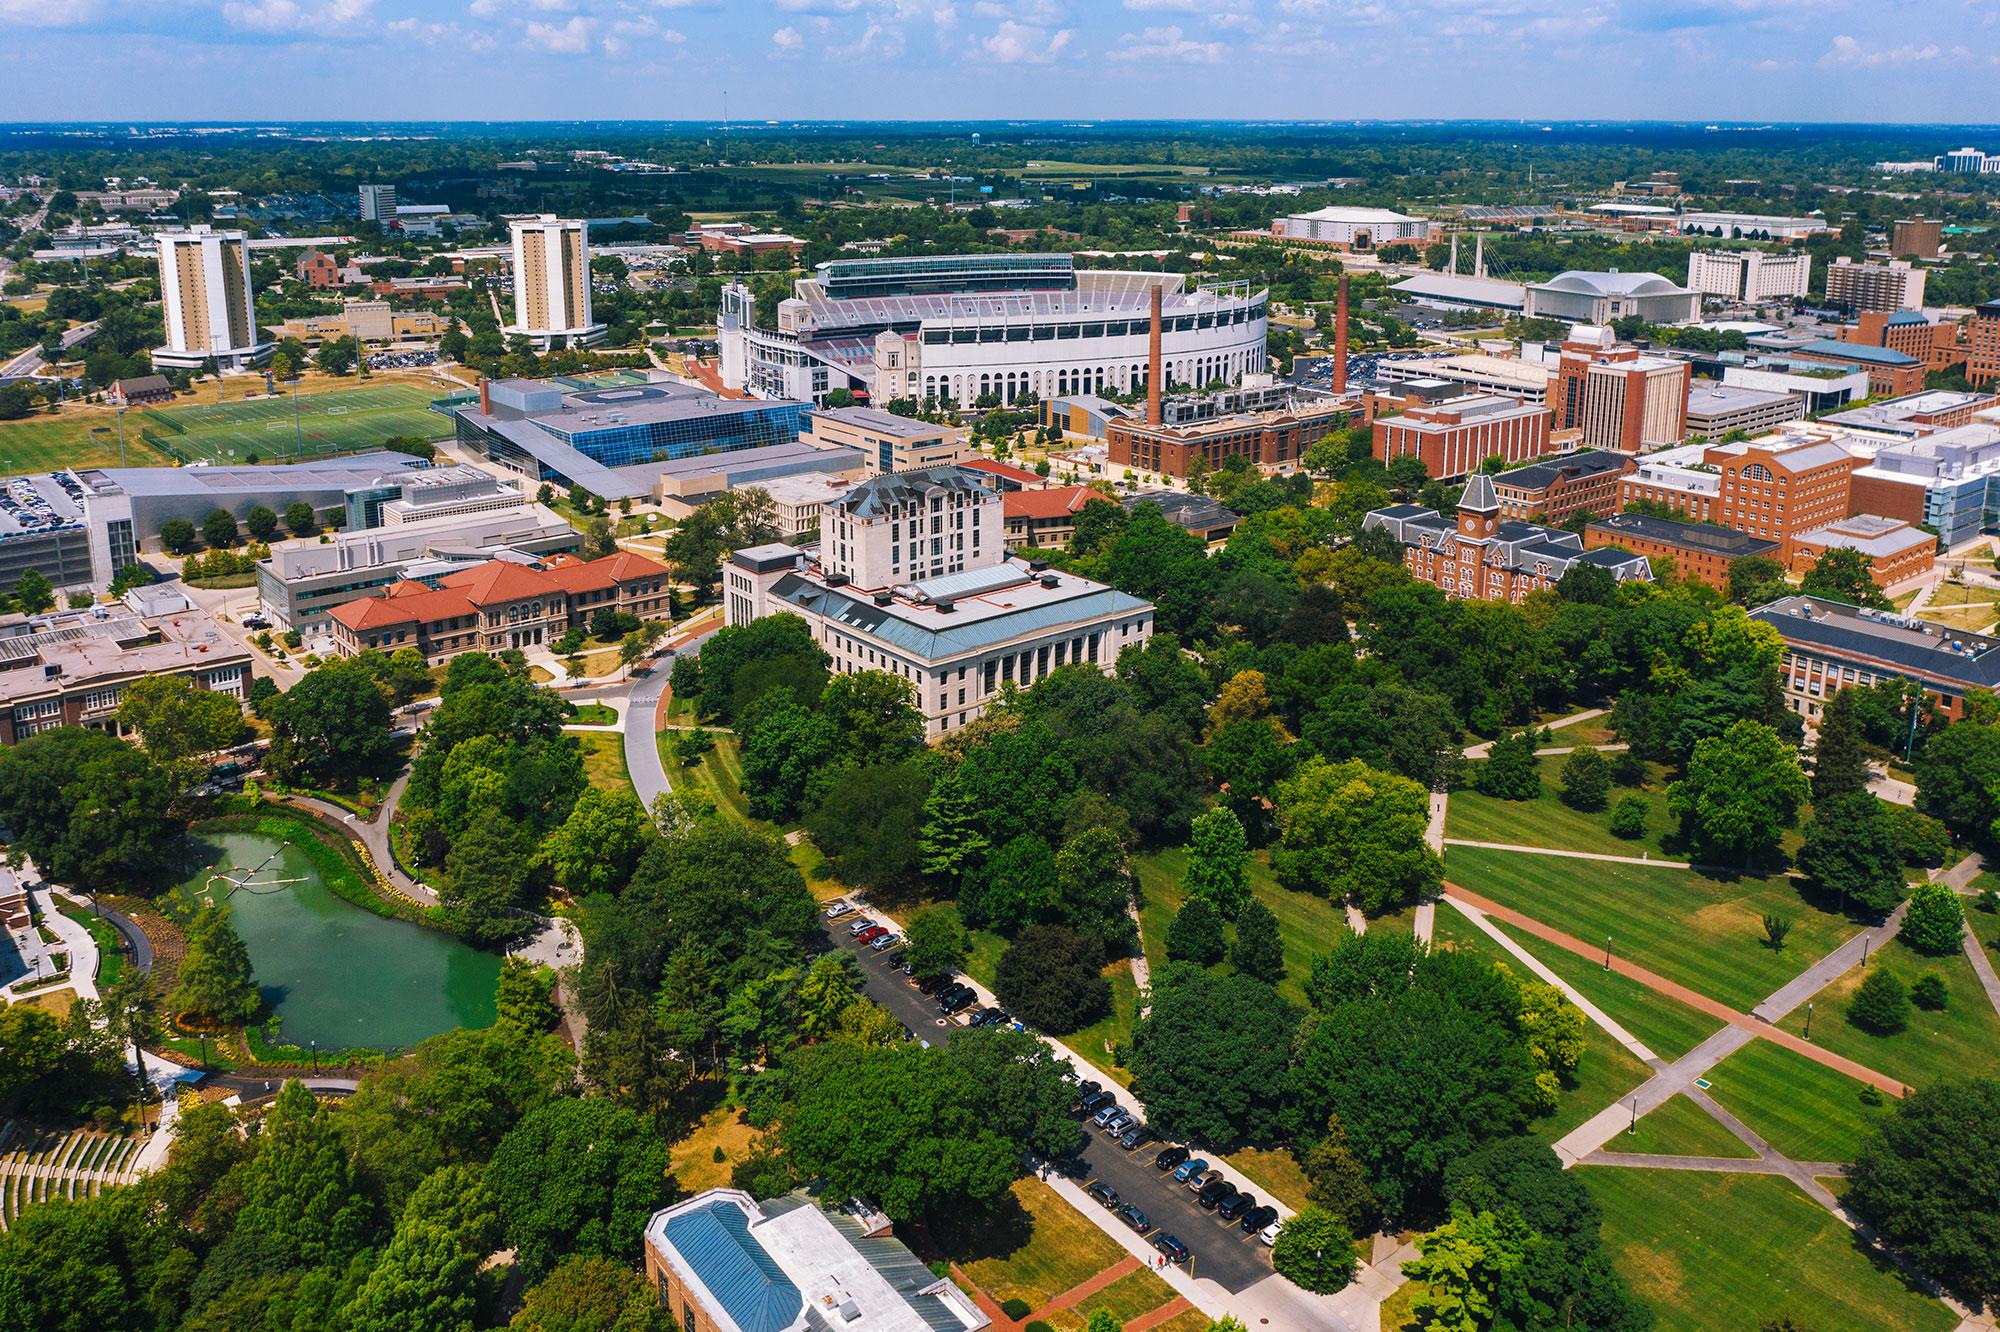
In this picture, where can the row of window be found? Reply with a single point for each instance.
(1112, 328)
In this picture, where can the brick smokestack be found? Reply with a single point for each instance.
(485, 398)
(1340, 338)
(1153, 363)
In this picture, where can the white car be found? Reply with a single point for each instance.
(1269, 1234)
(835, 910)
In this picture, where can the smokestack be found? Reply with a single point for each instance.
(1153, 362)
(485, 398)
(1340, 338)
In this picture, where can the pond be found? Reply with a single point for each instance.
(335, 973)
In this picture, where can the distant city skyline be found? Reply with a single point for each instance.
(1727, 60)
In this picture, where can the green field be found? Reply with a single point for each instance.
(1722, 1253)
(346, 420)
(1547, 821)
(1679, 1127)
(1606, 1072)
(1666, 1028)
(1962, 1041)
(42, 443)
(1806, 1111)
(1307, 925)
(1704, 932)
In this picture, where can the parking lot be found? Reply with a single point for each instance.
(1220, 1251)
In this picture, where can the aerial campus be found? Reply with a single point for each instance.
(1032, 718)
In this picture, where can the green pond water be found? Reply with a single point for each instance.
(336, 974)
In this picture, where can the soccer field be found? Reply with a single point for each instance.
(347, 420)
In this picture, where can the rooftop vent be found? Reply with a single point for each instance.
(1051, 581)
(884, 598)
(1038, 565)
(944, 606)
(836, 580)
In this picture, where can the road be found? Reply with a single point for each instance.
(1224, 1255)
(642, 715)
(30, 361)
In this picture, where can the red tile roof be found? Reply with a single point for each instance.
(495, 582)
(1007, 470)
(1047, 503)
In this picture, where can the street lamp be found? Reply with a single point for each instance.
(1607, 952)
(314, 1046)
(1635, 1118)
(1808, 1019)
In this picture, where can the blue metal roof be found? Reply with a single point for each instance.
(1857, 351)
(753, 1290)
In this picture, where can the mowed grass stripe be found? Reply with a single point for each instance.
(1961, 1041)
(1703, 932)
(1667, 1028)
(1679, 1127)
(1805, 1110)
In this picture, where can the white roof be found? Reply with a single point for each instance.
(1613, 283)
(1336, 213)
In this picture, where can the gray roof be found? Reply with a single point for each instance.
(887, 423)
(1541, 475)
(357, 469)
(878, 495)
(1479, 496)
(932, 636)
(1726, 541)
(1857, 351)
(1612, 283)
(1963, 660)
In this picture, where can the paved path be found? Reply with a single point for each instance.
(1426, 921)
(1959, 877)
(1575, 996)
(1551, 751)
(642, 720)
(1654, 981)
(1829, 968)
(1355, 920)
(373, 834)
(1480, 750)
(1434, 833)
(1569, 855)
(1722, 1165)
(1090, 1285)
(1982, 965)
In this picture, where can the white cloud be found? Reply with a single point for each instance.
(1168, 43)
(1039, 12)
(571, 38)
(42, 14)
(1846, 52)
(786, 41)
(1025, 43)
(644, 31)
(819, 6)
(291, 16)
(262, 15)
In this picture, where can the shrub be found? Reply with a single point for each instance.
(1881, 1005)
(1586, 780)
(1195, 934)
(1935, 921)
(1628, 820)
(1930, 993)
(1315, 1252)
(1628, 769)
(1511, 770)
(1016, 1308)
(1053, 978)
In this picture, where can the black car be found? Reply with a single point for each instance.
(1088, 1087)
(987, 1016)
(1103, 1193)
(1135, 1137)
(1170, 1158)
(1134, 1218)
(955, 992)
(1171, 1246)
(1213, 1192)
(932, 984)
(1231, 1208)
(959, 1001)
(1094, 1102)
(1257, 1218)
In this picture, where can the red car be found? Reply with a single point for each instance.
(869, 935)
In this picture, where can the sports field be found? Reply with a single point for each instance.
(349, 420)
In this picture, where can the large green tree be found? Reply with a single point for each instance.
(1958, 777)
(1853, 854)
(1839, 754)
(1350, 832)
(1927, 1182)
(1218, 862)
(1315, 1252)
(577, 1176)
(599, 844)
(1053, 977)
(91, 810)
(1742, 790)
(214, 981)
(427, 1279)
(1210, 1056)
(177, 719)
(329, 728)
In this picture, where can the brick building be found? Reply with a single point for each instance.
(1275, 441)
(1045, 519)
(1830, 646)
(1982, 363)
(1557, 489)
(1482, 555)
(1770, 491)
(1453, 436)
(1896, 551)
(1699, 550)
(1896, 285)
(1938, 345)
(501, 604)
(1620, 398)
(1891, 374)
(317, 270)
(1920, 236)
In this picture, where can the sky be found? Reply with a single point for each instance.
(1792, 60)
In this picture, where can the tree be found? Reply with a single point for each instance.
(92, 811)
(1930, 993)
(1315, 1252)
(261, 523)
(1628, 818)
(1469, 1269)
(936, 943)
(1218, 862)
(948, 1126)
(591, 1295)
(1958, 777)
(33, 593)
(177, 719)
(1337, 1181)
(299, 517)
(1052, 977)
(577, 1176)
(218, 529)
(427, 1278)
(1586, 780)
(1935, 922)
(490, 867)
(215, 981)
(177, 536)
(1015, 887)
(1259, 951)
(1881, 1005)
(1351, 832)
(867, 824)
(1511, 770)
(337, 356)
(1851, 852)
(301, 1202)
(599, 844)
(1924, 1181)
(1754, 580)
(1741, 791)
(1209, 1056)
(1840, 755)
(1093, 890)
(1195, 934)
(330, 727)
(1844, 574)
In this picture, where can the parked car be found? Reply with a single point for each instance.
(1257, 1218)
(870, 933)
(1103, 1193)
(1231, 1208)
(1087, 1088)
(956, 990)
(1134, 1218)
(1212, 1193)
(835, 910)
(932, 984)
(883, 942)
(1170, 1158)
(1105, 1113)
(987, 1016)
(1118, 1123)
(959, 1002)
(1269, 1234)
(1171, 1246)
(1094, 1102)
(1193, 1166)
(1197, 1180)
(858, 926)
(1134, 1137)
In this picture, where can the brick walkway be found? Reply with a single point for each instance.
(1089, 1286)
(1167, 1312)
(987, 1304)
(1693, 999)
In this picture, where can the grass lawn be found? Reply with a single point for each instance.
(1093, 1041)
(1275, 1170)
(694, 1165)
(603, 759)
(1125, 1299)
(594, 714)
(110, 960)
(1034, 1253)
(1668, 1029)
(1606, 1072)
(1961, 1041)
(719, 774)
(1948, 594)
(1188, 1320)
(347, 416)
(1547, 821)
(1679, 1127)
(1711, 1252)
(1307, 925)
(1705, 933)
(1399, 1310)
(1805, 1110)
(42, 443)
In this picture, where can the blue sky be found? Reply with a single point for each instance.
(1851, 60)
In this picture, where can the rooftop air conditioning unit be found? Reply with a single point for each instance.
(1051, 581)
(836, 580)
(945, 606)
(883, 598)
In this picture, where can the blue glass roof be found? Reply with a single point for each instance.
(715, 1242)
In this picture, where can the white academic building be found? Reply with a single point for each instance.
(912, 576)
(1352, 228)
(960, 327)
(551, 267)
(206, 301)
(1752, 276)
